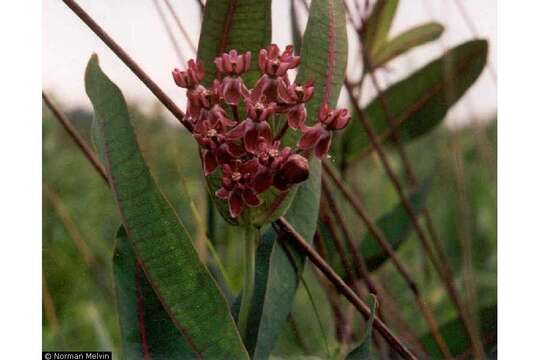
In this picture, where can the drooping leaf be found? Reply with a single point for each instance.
(456, 337)
(419, 102)
(396, 227)
(324, 56)
(363, 351)
(146, 328)
(405, 41)
(158, 237)
(376, 28)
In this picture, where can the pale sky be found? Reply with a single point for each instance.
(135, 25)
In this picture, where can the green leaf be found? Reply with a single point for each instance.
(376, 28)
(159, 239)
(405, 41)
(244, 25)
(278, 269)
(146, 328)
(396, 227)
(363, 351)
(419, 102)
(456, 337)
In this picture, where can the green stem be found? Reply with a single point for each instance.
(249, 278)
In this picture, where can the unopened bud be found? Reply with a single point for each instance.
(295, 169)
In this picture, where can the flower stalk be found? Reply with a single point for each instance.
(251, 240)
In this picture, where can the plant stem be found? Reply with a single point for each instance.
(251, 237)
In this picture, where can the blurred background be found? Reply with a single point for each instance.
(80, 219)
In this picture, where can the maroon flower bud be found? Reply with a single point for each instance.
(232, 63)
(295, 169)
(191, 77)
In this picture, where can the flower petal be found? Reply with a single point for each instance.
(236, 203)
(250, 198)
(263, 180)
(310, 137)
(323, 146)
(209, 162)
(222, 193)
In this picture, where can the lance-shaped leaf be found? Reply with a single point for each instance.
(405, 41)
(456, 337)
(363, 351)
(161, 244)
(418, 103)
(146, 328)
(324, 56)
(376, 28)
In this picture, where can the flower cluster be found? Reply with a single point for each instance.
(248, 151)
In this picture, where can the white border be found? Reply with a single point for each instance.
(20, 187)
(519, 180)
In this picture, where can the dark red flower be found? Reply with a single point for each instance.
(232, 63)
(272, 63)
(295, 96)
(191, 77)
(215, 148)
(233, 90)
(319, 136)
(334, 119)
(237, 186)
(254, 126)
(201, 99)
